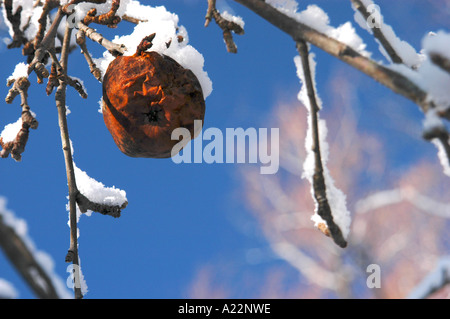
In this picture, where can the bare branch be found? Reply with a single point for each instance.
(81, 41)
(113, 48)
(60, 97)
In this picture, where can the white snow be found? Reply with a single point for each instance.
(165, 25)
(434, 280)
(233, 18)
(10, 131)
(403, 49)
(336, 198)
(20, 227)
(442, 155)
(314, 17)
(432, 121)
(97, 192)
(7, 290)
(21, 70)
(437, 43)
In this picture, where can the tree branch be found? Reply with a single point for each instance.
(60, 97)
(378, 33)
(319, 187)
(17, 146)
(226, 26)
(113, 48)
(393, 80)
(23, 260)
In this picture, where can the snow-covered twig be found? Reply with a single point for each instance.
(323, 209)
(398, 51)
(81, 41)
(434, 281)
(14, 142)
(60, 97)
(114, 48)
(299, 31)
(441, 61)
(226, 24)
(35, 266)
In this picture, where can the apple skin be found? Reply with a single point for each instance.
(145, 97)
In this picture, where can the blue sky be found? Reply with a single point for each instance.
(183, 217)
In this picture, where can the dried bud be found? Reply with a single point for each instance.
(145, 97)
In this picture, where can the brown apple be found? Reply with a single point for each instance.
(145, 97)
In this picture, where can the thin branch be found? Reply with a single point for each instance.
(15, 20)
(323, 209)
(60, 97)
(17, 146)
(395, 81)
(86, 204)
(227, 26)
(114, 48)
(132, 19)
(441, 61)
(23, 260)
(109, 19)
(378, 33)
(434, 281)
(81, 41)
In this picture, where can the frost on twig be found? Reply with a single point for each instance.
(331, 215)
(227, 23)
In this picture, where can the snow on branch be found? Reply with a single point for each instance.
(369, 17)
(227, 22)
(35, 266)
(434, 281)
(331, 214)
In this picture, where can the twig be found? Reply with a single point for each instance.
(319, 187)
(109, 19)
(113, 48)
(60, 97)
(226, 26)
(81, 41)
(15, 20)
(132, 19)
(395, 81)
(86, 204)
(441, 61)
(23, 260)
(48, 6)
(378, 33)
(17, 146)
